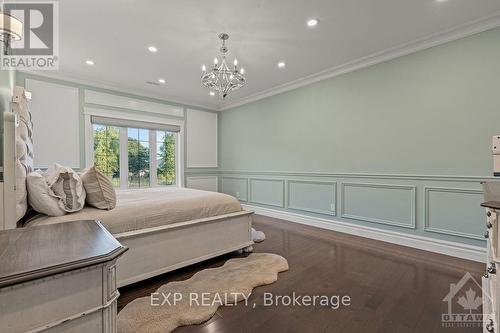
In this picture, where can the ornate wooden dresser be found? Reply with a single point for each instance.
(491, 281)
(58, 278)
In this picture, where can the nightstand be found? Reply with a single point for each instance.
(58, 278)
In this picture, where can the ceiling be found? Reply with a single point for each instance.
(116, 34)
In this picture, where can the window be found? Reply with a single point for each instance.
(137, 155)
(165, 157)
(107, 151)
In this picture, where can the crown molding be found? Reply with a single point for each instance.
(442, 37)
(116, 88)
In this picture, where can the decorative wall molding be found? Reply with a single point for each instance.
(47, 137)
(251, 192)
(427, 221)
(411, 222)
(245, 179)
(445, 36)
(412, 213)
(201, 139)
(331, 212)
(454, 249)
(450, 178)
(207, 183)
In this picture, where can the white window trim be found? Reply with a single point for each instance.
(89, 141)
(123, 152)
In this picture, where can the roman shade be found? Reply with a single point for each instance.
(134, 124)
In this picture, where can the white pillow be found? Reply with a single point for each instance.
(68, 186)
(41, 197)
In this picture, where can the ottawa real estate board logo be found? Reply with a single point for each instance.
(38, 49)
(464, 304)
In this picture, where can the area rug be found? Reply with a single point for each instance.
(196, 300)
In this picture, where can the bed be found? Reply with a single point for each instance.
(164, 228)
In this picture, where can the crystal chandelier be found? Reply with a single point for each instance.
(220, 78)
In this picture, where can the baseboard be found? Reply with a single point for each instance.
(454, 249)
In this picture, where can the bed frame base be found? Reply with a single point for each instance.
(159, 250)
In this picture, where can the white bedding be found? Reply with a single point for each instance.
(145, 208)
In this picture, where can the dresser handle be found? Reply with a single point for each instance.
(490, 326)
(489, 225)
(492, 269)
(486, 234)
(488, 214)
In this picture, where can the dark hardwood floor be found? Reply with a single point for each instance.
(392, 288)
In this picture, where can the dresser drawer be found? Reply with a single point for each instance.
(38, 303)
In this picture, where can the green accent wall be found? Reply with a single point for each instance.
(432, 112)
(399, 146)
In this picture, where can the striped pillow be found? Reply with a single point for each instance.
(100, 191)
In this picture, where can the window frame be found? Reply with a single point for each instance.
(179, 145)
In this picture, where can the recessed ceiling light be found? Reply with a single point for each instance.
(312, 22)
(281, 64)
(212, 93)
(90, 62)
(440, 1)
(152, 49)
(161, 81)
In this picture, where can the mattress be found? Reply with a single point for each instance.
(152, 207)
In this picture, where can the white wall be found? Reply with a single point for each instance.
(56, 134)
(201, 139)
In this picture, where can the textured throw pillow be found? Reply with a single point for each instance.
(100, 191)
(68, 186)
(41, 197)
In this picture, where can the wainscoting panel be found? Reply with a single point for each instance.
(267, 192)
(236, 186)
(206, 183)
(454, 211)
(433, 208)
(379, 203)
(312, 196)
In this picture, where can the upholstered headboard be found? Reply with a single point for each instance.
(24, 149)
(18, 157)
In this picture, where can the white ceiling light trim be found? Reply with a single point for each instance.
(152, 49)
(90, 62)
(281, 64)
(470, 28)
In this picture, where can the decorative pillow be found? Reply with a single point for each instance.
(100, 191)
(68, 186)
(41, 197)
